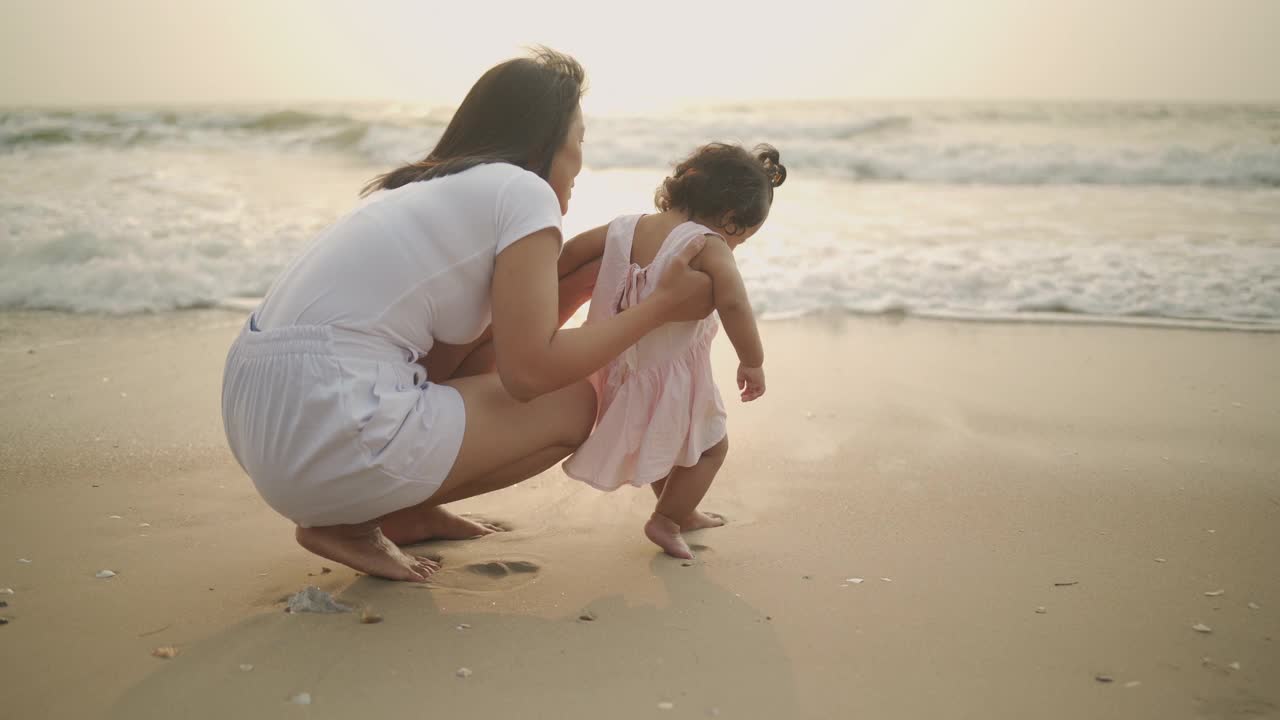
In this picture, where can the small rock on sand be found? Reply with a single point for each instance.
(105, 574)
(1040, 610)
(167, 652)
(664, 705)
(6, 591)
(1214, 593)
(1102, 678)
(463, 673)
(245, 667)
(1202, 628)
(302, 698)
(1252, 605)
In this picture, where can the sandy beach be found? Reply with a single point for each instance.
(1038, 515)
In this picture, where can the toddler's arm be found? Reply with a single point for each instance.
(736, 316)
(581, 249)
(578, 266)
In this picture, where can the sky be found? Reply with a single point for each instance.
(637, 55)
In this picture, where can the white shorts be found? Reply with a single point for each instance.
(336, 427)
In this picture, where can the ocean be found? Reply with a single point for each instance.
(1095, 212)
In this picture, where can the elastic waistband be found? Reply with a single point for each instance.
(317, 340)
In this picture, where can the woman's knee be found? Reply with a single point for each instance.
(578, 413)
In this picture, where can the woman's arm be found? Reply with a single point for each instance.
(578, 266)
(536, 356)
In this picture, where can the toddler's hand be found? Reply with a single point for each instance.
(750, 382)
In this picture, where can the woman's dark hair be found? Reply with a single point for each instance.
(518, 112)
(719, 179)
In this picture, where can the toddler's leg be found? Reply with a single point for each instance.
(697, 520)
(678, 501)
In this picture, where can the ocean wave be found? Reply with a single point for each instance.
(896, 210)
(1048, 144)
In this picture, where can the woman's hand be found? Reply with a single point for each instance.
(684, 293)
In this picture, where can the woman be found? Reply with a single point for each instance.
(325, 404)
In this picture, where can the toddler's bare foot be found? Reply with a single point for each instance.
(699, 520)
(665, 533)
(363, 547)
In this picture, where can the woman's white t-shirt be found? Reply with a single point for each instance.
(415, 264)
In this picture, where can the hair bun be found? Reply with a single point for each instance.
(771, 160)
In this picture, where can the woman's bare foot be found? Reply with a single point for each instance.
(363, 547)
(699, 520)
(665, 533)
(419, 524)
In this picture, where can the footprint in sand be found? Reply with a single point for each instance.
(487, 576)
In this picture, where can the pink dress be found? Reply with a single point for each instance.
(658, 406)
